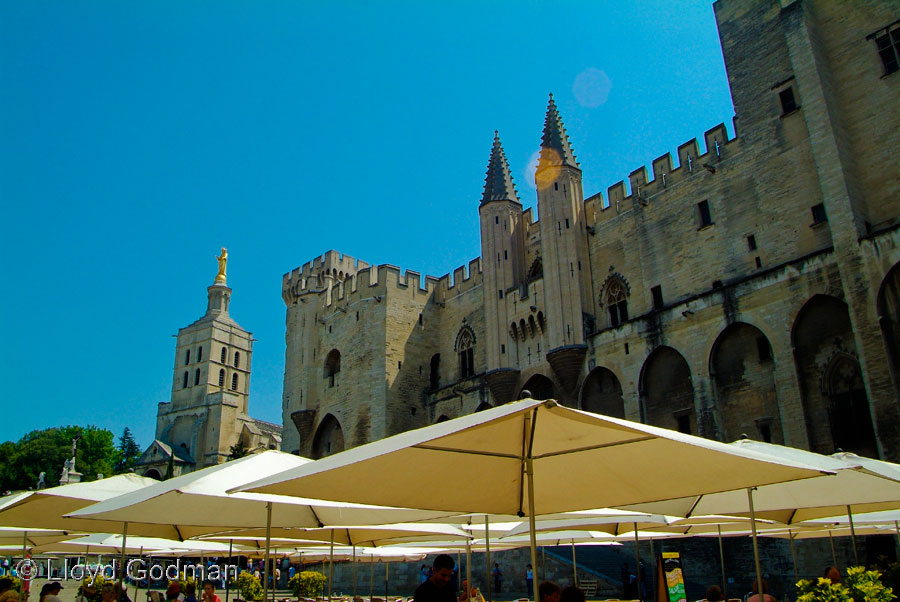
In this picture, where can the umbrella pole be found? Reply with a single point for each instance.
(122, 556)
(574, 566)
(897, 527)
(230, 560)
(853, 536)
(331, 566)
(487, 555)
(791, 536)
(385, 580)
(721, 558)
(469, 568)
(759, 579)
(543, 560)
(372, 578)
(637, 559)
(529, 469)
(833, 555)
(268, 541)
(354, 572)
(137, 582)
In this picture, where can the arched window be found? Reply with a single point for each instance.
(184, 380)
(222, 377)
(187, 357)
(197, 377)
(234, 381)
(332, 366)
(465, 349)
(540, 320)
(514, 335)
(237, 359)
(199, 354)
(223, 355)
(617, 302)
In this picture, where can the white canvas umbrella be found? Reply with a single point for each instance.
(524, 458)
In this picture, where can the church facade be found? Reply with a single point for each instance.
(207, 420)
(749, 285)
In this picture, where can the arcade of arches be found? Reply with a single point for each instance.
(744, 398)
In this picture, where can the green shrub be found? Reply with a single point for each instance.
(249, 586)
(307, 584)
(860, 585)
(16, 583)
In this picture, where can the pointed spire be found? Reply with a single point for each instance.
(498, 184)
(555, 147)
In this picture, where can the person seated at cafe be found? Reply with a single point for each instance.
(571, 593)
(7, 593)
(714, 594)
(209, 592)
(437, 587)
(548, 592)
(755, 591)
(832, 574)
(190, 592)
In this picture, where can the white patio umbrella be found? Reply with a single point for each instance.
(197, 504)
(524, 458)
(31, 537)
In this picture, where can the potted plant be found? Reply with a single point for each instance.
(307, 584)
(860, 585)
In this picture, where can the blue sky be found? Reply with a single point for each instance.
(136, 138)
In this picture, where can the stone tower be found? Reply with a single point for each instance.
(207, 413)
(564, 250)
(503, 250)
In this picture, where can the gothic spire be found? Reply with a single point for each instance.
(555, 147)
(498, 184)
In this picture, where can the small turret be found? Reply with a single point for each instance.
(498, 183)
(556, 150)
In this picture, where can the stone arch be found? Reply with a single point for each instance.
(483, 406)
(614, 297)
(532, 327)
(542, 324)
(667, 392)
(540, 386)
(831, 388)
(601, 393)
(153, 474)
(465, 351)
(888, 306)
(442, 418)
(329, 438)
(742, 368)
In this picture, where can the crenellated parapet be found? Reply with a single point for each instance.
(640, 188)
(359, 280)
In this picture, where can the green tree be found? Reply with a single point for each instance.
(129, 451)
(47, 451)
(238, 450)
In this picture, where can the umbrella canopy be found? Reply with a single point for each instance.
(197, 504)
(105, 543)
(494, 448)
(859, 483)
(16, 536)
(366, 535)
(614, 522)
(46, 508)
(363, 554)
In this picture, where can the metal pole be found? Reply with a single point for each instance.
(487, 555)
(759, 579)
(230, 560)
(529, 472)
(853, 536)
(469, 567)
(331, 566)
(791, 536)
(574, 566)
(543, 561)
(386, 581)
(122, 558)
(897, 527)
(833, 555)
(371, 577)
(637, 559)
(266, 559)
(722, 560)
(354, 572)
(137, 582)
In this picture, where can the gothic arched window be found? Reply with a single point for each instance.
(197, 377)
(187, 357)
(199, 354)
(223, 355)
(332, 366)
(184, 380)
(237, 359)
(222, 377)
(234, 381)
(617, 302)
(465, 349)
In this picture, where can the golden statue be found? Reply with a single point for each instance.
(223, 261)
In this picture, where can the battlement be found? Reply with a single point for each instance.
(640, 189)
(317, 277)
